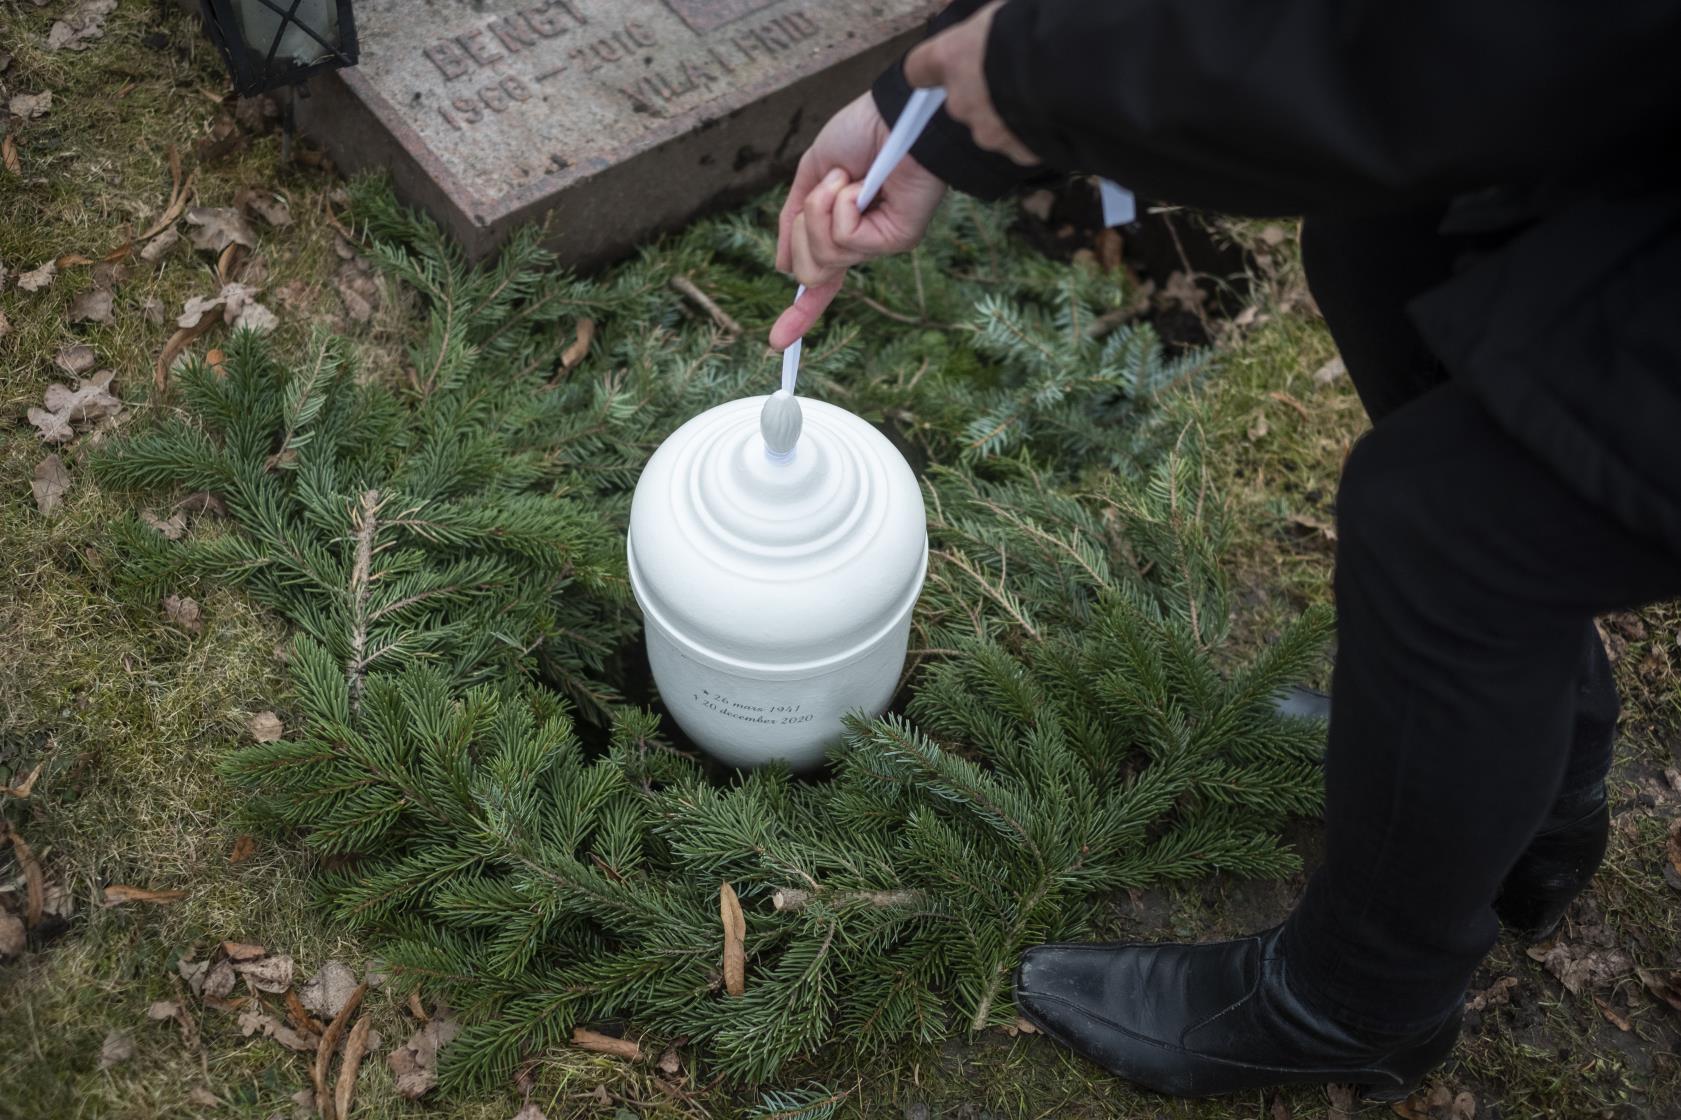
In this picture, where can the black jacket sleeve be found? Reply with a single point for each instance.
(945, 147)
(1268, 106)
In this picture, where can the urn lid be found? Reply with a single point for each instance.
(777, 537)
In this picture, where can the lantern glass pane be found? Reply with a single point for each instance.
(259, 24)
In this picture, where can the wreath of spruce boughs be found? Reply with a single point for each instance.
(514, 836)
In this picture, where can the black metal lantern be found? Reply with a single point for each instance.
(269, 43)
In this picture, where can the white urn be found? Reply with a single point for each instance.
(777, 547)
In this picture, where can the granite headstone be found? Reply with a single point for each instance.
(616, 119)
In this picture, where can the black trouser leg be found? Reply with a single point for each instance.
(1467, 574)
(1363, 272)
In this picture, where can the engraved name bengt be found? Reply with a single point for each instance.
(458, 55)
(557, 37)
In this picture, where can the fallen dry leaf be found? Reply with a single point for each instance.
(328, 990)
(670, 1063)
(172, 350)
(39, 278)
(1674, 844)
(31, 105)
(193, 972)
(1581, 968)
(202, 1097)
(735, 935)
(414, 1065)
(355, 1048)
(1344, 1102)
(80, 25)
(75, 359)
(163, 1009)
(1497, 994)
(330, 1041)
(173, 528)
(271, 974)
(23, 788)
(202, 501)
(596, 1042)
(217, 227)
(119, 894)
(1329, 372)
(254, 1020)
(1612, 1015)
(244, 847)
(152, 310)
(265, 727)
(49, 485)
(13, 937)
(9, 154)
(415, 1009)
(268, 205)
(1259, 429)
(153, 251)
(69, 409)
(1665, 984)
(34, 879)
(219, 981)
(241, 951)
(117, 1048)
(183, 612)
(193, 312)
(357, 289)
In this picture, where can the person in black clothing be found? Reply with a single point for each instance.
(1493, 232)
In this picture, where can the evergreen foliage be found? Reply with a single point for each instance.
(449, 551)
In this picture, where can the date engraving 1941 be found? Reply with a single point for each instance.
(772, 715)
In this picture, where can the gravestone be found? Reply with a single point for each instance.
(616, 118)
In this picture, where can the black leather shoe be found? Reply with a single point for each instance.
(1557, 866)
(1203, 1020)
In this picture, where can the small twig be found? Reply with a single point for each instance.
(574, 353)
(1109, 320)
(896, 316)
(688, 288)
(794, 898)
(366, 528)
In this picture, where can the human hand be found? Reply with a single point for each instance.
(821, 233)
(956, 59)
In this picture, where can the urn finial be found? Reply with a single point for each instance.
(779, 423)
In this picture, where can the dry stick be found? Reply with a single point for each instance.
(367, 527)
(574, 353)
(354, 1048)
(793, 898)
(606, 1044)
(707, 304)
(329, 1042)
